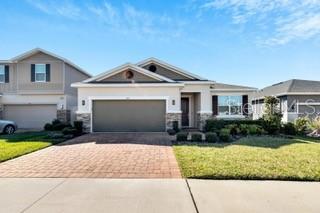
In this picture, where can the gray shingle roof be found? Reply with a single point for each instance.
(290, 86)
(221, 86)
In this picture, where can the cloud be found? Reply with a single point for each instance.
(283, 20)
(128, 19)
(59, 8)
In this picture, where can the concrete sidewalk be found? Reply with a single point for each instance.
(156, 195)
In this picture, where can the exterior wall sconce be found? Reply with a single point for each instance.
(83, 102)
(173, 102)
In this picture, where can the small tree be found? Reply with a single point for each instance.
(272, 115)
(315, 125)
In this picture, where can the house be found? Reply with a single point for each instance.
(297, 98)
(35, 88)
(151, 95)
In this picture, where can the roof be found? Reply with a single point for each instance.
(125, 67)
(290, 87)
(170, 67)
(37, 50)
(231, 87)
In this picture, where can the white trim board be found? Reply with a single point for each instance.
(170, 67)
(124, 67)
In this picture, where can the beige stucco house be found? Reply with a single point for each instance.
(35, 88)
(151, 95)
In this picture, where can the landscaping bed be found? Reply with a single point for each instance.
(253, 157)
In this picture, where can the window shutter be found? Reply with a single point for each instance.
(6, 74)
(245, 104)
(33, 70)
(215, 105)
(48, 72)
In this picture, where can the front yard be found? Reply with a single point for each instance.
(18, 144)
(268, 158)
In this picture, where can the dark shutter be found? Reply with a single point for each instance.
(47, 72)
(215, 105)
(245, 106)
(6, 74)
(33, 72)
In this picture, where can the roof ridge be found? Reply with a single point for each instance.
(291, 85)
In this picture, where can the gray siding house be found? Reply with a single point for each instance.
(297, 97)
(35, 88)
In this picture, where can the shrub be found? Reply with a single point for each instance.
(48, 127)
(315, 125)
(60, 126)
(182, 136)
(214, 125)
(272, 115)
(225, 135)
(255, 129)
(234, 129)
(69, 131)
(78, 125)
(196, 137)
(175, 126)
(212, 137)
(244, 129)
(171, 132)
(55, 122)
(288, 129)
(301, 124)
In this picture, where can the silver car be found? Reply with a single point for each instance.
(8, 127)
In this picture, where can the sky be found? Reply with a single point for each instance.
(247, 42)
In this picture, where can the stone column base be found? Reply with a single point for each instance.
(202, 118)
(170, 118)
(63, 115)
(86, 119)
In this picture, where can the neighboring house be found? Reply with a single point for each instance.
(35, 88)
(297, 98)
(150, 95)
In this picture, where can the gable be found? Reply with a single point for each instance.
(40, 57)
(166, 72)
(121, 78)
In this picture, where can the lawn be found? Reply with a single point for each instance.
(18, 144)
(260, 158)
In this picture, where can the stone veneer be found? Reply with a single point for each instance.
(86, 119)
(63, 115)
(170, 117)
(202, 117)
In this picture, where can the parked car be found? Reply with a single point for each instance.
(8, 127)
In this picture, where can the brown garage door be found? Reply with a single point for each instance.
(128, 115)
(32, 116)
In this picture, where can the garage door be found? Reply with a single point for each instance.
(128, 115)
(30, 116)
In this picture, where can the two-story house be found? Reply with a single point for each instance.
(35, 88)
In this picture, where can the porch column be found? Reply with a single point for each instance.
(205, 112)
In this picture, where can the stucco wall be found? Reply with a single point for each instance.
(172, 93)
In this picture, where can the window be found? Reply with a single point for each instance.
(230, 105)
(40, 73)
(128, 75)
(2, 74)
(153, 68)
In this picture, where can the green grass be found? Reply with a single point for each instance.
(257, 158)
(18, 144)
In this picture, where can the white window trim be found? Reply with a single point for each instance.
(229, 106)
(35, 73)
(4, 74)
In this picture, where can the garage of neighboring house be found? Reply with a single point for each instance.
(30, 116)
(128, 115)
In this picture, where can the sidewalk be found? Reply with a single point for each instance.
(156, 195)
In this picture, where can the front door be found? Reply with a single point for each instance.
(185, 112)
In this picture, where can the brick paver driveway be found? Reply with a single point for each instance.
(114, 155)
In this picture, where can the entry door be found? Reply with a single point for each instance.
(185, 112)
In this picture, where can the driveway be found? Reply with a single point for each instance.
(105, 155)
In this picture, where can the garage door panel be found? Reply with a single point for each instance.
(30, 116)
(129, 116)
